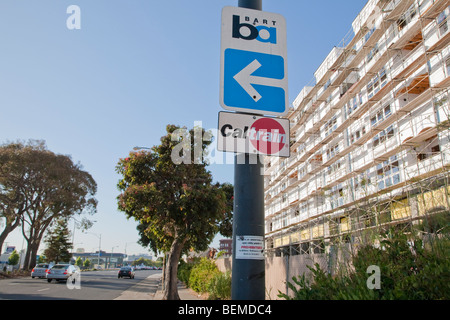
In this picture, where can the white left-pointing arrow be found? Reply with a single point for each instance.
(245, 80)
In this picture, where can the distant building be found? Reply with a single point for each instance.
(134, 257)
(107, 259)
(227, 246)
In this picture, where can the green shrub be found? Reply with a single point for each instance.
(184, 271)
(220, 287)
(201, 275)
(409, 270)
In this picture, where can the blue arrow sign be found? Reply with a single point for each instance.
(252, 81)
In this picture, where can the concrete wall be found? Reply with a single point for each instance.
(279, 270)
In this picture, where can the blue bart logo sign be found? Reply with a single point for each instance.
(253, 62)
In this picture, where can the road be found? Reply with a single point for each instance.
(94, 285)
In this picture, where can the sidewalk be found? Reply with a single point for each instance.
(183, 292)
(145, 290)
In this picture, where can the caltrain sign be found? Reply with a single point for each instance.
(244, 133)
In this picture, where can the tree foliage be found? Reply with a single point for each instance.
(171, 193)
(58, 243)
(13, 258)
(38, 186)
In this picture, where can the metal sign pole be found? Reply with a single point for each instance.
(251, 4)
(248, 273)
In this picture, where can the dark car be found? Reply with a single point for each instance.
(126, 272)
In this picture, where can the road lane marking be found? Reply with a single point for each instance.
(44, 289)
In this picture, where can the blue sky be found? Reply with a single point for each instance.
(133, 67)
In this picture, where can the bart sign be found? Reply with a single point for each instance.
(253, 62)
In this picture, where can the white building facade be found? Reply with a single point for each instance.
(370, 137)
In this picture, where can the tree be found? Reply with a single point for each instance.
(170, 192)
(38, 186)
(87, 263)
(13, 179)
(58, 243)
(79, 262)
(13, 258)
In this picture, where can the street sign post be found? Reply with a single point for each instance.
(245, 133)
(253, 62)
(253, 80)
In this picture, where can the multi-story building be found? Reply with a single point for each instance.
(370, 137)
(226, 245)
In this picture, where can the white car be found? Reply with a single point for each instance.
(62, 272)
(40, 270)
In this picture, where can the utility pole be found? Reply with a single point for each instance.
(248, 276)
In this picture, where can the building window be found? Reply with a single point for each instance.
(337, 196)
(372, 53)
(318, 247)
(435, 150)
(330, 126)
(406, 17)
(331, 152)
(304, 248)
(302, 172)
(284, 220)
(334, 167)
(377, 82)
(388, 173)
(380, 115)
(351, 106)
(383, 136)
(361, 181)
(369, 34)
(325, 87)
(442, 22)
(355, 136)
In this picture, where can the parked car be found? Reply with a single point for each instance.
(126, 272)
(61, 272)
(40, 270)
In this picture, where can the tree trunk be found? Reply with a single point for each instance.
(34, 250)
(30, 256)
(26, 261)
(171, 273)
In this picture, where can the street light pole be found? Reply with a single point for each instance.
(99, 236)
(99, 248)
(248, 279)
(110, 258)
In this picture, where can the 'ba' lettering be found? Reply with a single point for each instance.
(270, 34)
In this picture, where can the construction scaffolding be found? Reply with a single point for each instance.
(370, 137)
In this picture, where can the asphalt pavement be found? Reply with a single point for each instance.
(99, 285)
(145, 290)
